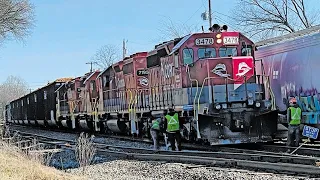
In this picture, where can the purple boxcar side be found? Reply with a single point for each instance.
(293, 66)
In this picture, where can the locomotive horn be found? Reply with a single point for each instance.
(215, 27)
(225, 27)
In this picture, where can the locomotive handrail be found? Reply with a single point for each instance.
(269, 88)
(129, 107)
(273, 102)
(195, 96)
(205, 79)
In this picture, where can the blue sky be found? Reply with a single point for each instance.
(67, 33)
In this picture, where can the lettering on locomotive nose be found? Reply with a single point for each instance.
(167, 70)
(243, 68)
(220, 70)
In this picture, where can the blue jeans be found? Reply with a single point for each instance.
(155, 137)
(293, 135)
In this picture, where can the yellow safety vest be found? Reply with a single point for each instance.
(172, 122)
(295, 116)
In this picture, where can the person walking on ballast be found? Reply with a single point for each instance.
(294, 119)
(155, 132)
(173, 129)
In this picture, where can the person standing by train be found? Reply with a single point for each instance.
(173, 129)
(294, 119)
(155, 132)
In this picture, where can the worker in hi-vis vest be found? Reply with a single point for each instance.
(173, 129)
(294, 120)
(155, 132)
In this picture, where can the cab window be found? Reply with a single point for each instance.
(246, 50)
(206, 53)
(187, 56)
(227, 51)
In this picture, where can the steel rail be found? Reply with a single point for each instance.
(238, 148)
(223, 152)
(229, 155)
(298, 169)
(315, 151)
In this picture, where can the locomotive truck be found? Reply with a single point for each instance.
(209, 78)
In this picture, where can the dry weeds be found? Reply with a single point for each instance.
(85, 150)
(16, 165)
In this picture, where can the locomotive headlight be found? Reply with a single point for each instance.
(250, 95)
(218, 106)
(258, 104)
(224, 106)
(218, 36)
(219, 41)
(250, 102)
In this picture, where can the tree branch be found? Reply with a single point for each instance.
(273, 17)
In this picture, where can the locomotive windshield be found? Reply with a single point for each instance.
(228, 51)
(206, 53)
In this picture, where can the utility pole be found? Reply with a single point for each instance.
(124, 49)
(210, 17)
(91, 63)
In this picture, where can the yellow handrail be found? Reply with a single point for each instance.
(273, 103)
(129, 107)
(205, 79)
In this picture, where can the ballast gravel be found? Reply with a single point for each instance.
(112, 168)
(142, 170)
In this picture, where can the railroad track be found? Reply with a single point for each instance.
(306, 150)
(247, 159)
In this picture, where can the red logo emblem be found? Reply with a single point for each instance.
(242, 66)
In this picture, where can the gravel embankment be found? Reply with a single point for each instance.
(142, 170)
(113, 168)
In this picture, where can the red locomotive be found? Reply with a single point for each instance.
(209, 78)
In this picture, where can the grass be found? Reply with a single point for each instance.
(16, 165)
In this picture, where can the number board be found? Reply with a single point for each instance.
(310, 132)
(231, 40)
(204, 41)
(142, 72)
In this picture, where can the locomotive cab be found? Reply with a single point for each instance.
(229, 98)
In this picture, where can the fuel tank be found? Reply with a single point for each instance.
(84, 124)
(116, 125)
(41, 122)
(66, 123)
(32, 122)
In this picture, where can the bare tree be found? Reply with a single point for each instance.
(171, 30)
(265, 18)
(11, 89)
(16, 19)
(106, 56)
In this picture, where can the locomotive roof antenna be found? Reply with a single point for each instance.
(124, 48)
